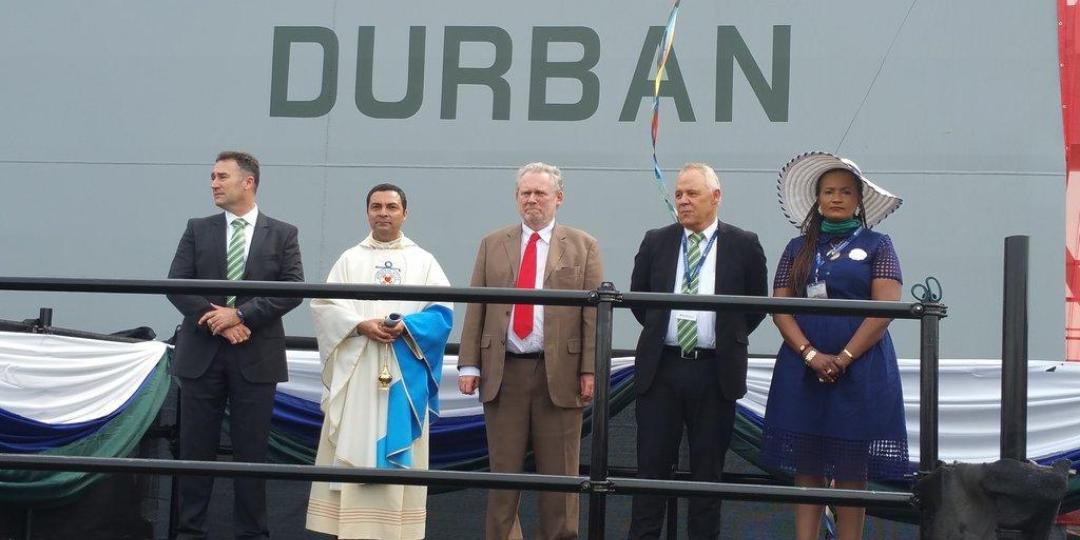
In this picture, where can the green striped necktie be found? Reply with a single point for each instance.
(234, 260)
(687, 329)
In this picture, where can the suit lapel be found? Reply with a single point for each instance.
(720, 250)
(555, 252)
(512, 247)
(670, 253)
(258, 238)
(217, 245)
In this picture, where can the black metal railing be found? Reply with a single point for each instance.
(599, 484)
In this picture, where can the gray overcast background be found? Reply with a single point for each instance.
(112, 113)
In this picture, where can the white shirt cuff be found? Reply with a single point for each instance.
(468, 371)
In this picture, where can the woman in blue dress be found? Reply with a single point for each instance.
(835, 409)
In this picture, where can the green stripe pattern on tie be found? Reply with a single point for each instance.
(687, 329)
(234, 259)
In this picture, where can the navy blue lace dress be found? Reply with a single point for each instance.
(852, 429)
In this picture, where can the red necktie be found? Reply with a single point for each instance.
(523, 313)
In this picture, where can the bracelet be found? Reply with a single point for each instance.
(849, 355)
(802, 348)
(809, 357)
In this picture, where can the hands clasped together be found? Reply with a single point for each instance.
(828, 368)
(224, 322)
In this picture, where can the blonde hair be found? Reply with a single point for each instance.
(540, 167)
(711, 179)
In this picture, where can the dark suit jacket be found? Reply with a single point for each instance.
(569, 331)
(740, 270)
(274, 255)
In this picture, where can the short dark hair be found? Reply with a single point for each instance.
(388, 187)
(245, 161)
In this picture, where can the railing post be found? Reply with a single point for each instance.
(599, 485)
(928, 386)
(44, 321)
(1014, 359)
(607, 295)
(928, 396)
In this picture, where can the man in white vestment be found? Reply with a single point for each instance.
(380, 379)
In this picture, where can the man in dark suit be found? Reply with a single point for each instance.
(231, 350)
(691, 365)
(533, 365)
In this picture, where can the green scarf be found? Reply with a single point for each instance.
(840, 227)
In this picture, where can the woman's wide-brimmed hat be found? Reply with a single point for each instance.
(798, 180)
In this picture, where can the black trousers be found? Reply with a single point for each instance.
(683, 393)
(202, 407)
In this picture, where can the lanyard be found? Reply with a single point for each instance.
(688, 273)
(819, 261)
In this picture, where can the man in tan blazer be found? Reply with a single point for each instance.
(533, 364)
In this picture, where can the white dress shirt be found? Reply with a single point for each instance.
(534, 342)
(706, 320)
(249, 228)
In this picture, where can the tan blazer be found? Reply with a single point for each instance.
(569, 332)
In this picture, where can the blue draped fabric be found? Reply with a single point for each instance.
(416, 393)
(23, 435)
(300, 418)
(454, 440)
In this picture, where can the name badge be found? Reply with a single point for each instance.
(816, 290)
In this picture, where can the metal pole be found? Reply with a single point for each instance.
(598, 465)
(470, 479)
(928, 399)
(928, 387)
(44, 320)
(476, 295)
(1014, 349)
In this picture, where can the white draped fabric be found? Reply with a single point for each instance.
(67, 380)
(305, 383)
(969, 406)
(305, 376)
(60, 380)
(969, 409)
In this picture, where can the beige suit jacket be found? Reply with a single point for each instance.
(569, 332)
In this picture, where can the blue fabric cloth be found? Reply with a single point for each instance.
(454, 440)
(854, 428)
(22, 435)
(416, 395)
(298, 417)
